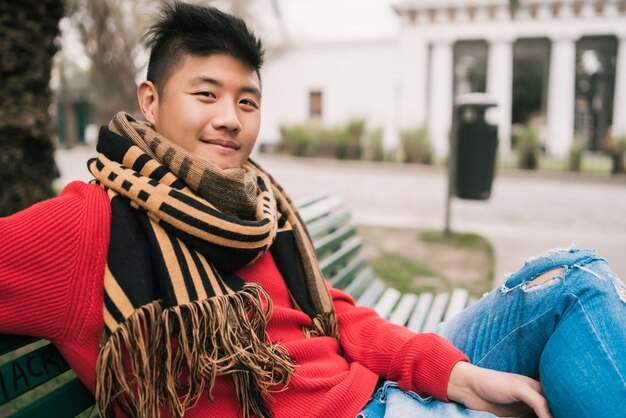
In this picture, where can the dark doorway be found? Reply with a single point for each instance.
(595, 84)
(531, 60)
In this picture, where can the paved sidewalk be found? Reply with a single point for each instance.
(527, 213)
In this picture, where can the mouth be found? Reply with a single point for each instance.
(220, 142)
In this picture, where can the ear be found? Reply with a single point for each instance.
(148, 98)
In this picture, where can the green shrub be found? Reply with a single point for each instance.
(416, 146)
(295, 139)
(576, 155)
(353, 145)
(372, 146)
(312, 140)
(331, 142)
(617, 155)
(528, 148)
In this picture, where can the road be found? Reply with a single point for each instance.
(526, 214)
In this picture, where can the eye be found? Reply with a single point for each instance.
(249, 103)
(204, 94)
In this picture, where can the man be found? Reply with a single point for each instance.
(197, 267)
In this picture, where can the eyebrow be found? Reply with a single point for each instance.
(208, 80)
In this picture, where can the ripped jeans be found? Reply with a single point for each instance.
(568, 332)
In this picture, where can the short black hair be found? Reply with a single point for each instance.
(185, 29)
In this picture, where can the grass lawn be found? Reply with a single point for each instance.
(427, 261)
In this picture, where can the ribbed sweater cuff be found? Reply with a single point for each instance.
(430, 359)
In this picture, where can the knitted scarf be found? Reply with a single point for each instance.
(176, 316)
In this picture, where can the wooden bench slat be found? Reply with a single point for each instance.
(435, 315)
(401, 313)
(387, 301)
(329, 223)
(334, 239)
(66, 401)
(308, 201)
(30, 370)
(341, 257)
(319, 208)
(12, 342)
(360, 283)
(347, 274)
(421, 310)
(458, 302)
(371, 295)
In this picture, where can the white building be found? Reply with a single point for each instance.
(409, 80)
(333, 82)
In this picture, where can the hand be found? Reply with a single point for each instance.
(502, 394)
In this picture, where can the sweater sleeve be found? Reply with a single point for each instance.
(48, 255)
(418, 362)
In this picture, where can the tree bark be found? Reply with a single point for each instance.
(27, 32)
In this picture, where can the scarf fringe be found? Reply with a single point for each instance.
(323, 324)
(213, 337)
(128, 366)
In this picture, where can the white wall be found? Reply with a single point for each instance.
(357, 79)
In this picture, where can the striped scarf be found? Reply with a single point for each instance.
(176, 316)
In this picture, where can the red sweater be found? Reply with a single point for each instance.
(52, 259)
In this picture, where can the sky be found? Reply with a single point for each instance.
(324, 20)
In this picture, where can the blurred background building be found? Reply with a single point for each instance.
(559, 65)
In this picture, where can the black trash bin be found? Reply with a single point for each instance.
(475, 142)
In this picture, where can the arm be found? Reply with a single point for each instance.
(46, 253)
(429, 364)
(418, 362)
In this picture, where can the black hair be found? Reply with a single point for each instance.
(185, 29)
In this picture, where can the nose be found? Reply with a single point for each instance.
(227, 119)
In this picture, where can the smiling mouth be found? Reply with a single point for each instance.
(225, 143)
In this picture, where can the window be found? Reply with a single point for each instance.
(315, 104)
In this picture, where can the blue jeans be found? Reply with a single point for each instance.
(569, 333)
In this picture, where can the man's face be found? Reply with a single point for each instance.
(210, 106)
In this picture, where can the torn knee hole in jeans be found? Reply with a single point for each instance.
(541, 281)
(544, 279)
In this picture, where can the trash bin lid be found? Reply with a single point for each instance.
(476, 99)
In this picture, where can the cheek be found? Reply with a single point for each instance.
(188, 120)
(182, 128)
(252, 126)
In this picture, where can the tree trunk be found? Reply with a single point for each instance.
(27, 32)
(69, 116)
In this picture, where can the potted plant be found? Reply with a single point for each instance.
(528, 148)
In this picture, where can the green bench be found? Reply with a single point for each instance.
(26, 363)
(338, 249)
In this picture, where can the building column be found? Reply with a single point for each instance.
(561, 88)
(619, 98)
(500, 87)
(413, 72)
(440, 95)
